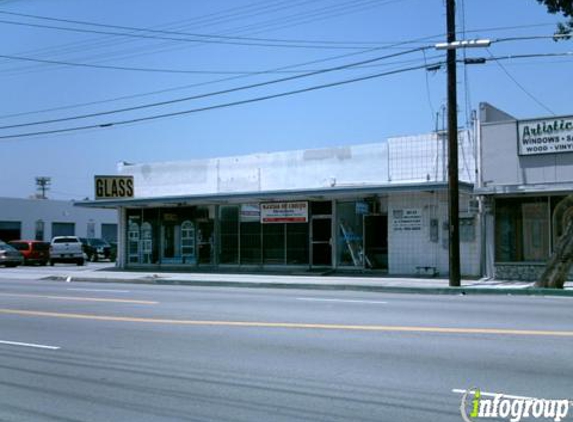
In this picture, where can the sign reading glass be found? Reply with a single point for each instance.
(109, 187)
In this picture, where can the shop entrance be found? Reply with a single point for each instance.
(321, 239)
(205, 229)
(170, 233)
(376, 240)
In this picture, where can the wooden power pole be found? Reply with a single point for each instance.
(453, 185)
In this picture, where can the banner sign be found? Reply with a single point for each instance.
(547, 136)
(110, 187)
(284, 212)
(409, 219)
(250, 213)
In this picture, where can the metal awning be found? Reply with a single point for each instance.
(269, 196)
(532, 189)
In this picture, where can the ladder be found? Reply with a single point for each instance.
(355, 248)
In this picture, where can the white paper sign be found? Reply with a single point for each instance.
(284, 212)
(408, 219)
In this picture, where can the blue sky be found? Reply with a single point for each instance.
(287, 33)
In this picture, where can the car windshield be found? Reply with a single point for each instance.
(21, 246)
(6, 247)
(65, 240)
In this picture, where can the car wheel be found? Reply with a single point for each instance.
(52, 262)
(44, 263)
(80, 262)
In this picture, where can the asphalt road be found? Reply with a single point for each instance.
(118, 352)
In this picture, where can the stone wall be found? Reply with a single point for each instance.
(521, 271)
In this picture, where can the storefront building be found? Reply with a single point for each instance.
(526, 170)
(366, 207)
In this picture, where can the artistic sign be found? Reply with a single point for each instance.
(547, 136)
(284, 212)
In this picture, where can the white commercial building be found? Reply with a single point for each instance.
(362, 207)
(526, 171)
(42, 219)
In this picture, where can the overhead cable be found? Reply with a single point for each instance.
(221, 92)
(213, 107)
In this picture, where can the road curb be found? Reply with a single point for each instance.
(332, 287)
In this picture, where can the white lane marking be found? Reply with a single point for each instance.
(489, 394)
(100, 290)
(36, 346)
(313, 299)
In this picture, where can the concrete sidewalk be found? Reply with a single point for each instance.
(335, 281)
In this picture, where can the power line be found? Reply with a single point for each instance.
(319, 14)
(207, 20)
(533, 37)
(179, 39)
(221, 92)
(198, 35)
(204, 38)
(213, 107)
(520, 86)
(195, 85)
(198, 42)
(137, 69)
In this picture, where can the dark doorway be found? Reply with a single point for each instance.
(376, 240)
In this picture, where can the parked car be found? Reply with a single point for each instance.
(95, 248)
(34, 251)
(9, 256)
(66, 249)
(113, 254)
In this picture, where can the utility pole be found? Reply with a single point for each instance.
(453, 186)
(43, 185)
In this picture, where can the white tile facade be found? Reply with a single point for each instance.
(415, 249)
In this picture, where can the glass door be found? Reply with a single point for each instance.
(188, 254)
(321, 239)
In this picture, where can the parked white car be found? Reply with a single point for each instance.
(66, 249)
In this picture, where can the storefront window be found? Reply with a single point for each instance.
(522, 229)
(146, 243)
(205, 232)
(229, 237)
(350, 233)
(185, 235)
(150, 236)
(556, 226)
(297, 243)
(274, 244)
(133, 242)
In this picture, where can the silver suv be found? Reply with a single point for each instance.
(66, 249)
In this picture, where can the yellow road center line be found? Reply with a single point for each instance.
(81, 299)
(380, 328)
